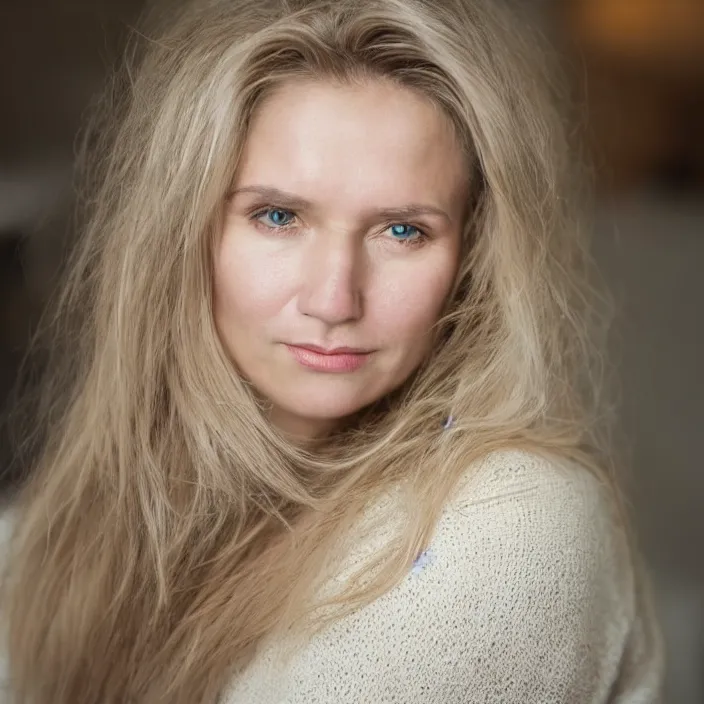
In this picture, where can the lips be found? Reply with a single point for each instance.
(332, 360)
(334, 350)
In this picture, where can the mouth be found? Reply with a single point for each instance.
(330, 350)
(331, 360)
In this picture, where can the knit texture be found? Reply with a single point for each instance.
(528, 594)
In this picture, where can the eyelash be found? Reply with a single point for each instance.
(419, 238)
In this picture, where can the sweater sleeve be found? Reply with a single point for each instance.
(545, 602)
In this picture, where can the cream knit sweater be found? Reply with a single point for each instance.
(527, 595)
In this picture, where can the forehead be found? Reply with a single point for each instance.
(359, 144)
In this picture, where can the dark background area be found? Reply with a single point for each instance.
(639, 81)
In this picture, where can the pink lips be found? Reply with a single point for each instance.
(338, 360)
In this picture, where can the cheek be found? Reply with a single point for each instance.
(250, 286)
(408, 305)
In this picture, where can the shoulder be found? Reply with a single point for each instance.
(546, 479)
(531, 557)
(537, 506)
(544, 525)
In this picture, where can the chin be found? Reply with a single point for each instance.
(324, 411)
(322, 406)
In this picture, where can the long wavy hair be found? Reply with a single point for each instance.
(167, 530)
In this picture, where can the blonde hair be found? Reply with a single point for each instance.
(167, 529)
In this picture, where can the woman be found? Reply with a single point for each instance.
(326, 429)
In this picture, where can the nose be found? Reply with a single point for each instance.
(331, 280)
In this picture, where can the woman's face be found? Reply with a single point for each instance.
(340, 246)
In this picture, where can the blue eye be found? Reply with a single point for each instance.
(277, 217)
(405, 232)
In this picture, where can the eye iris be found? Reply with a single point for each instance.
(278, 217)
(403, 232)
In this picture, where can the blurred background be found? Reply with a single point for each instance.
(638, 69)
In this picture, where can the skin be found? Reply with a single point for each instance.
(322, 265)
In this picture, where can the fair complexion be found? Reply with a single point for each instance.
(340, 246)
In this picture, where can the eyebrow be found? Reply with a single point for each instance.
(290, 200)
